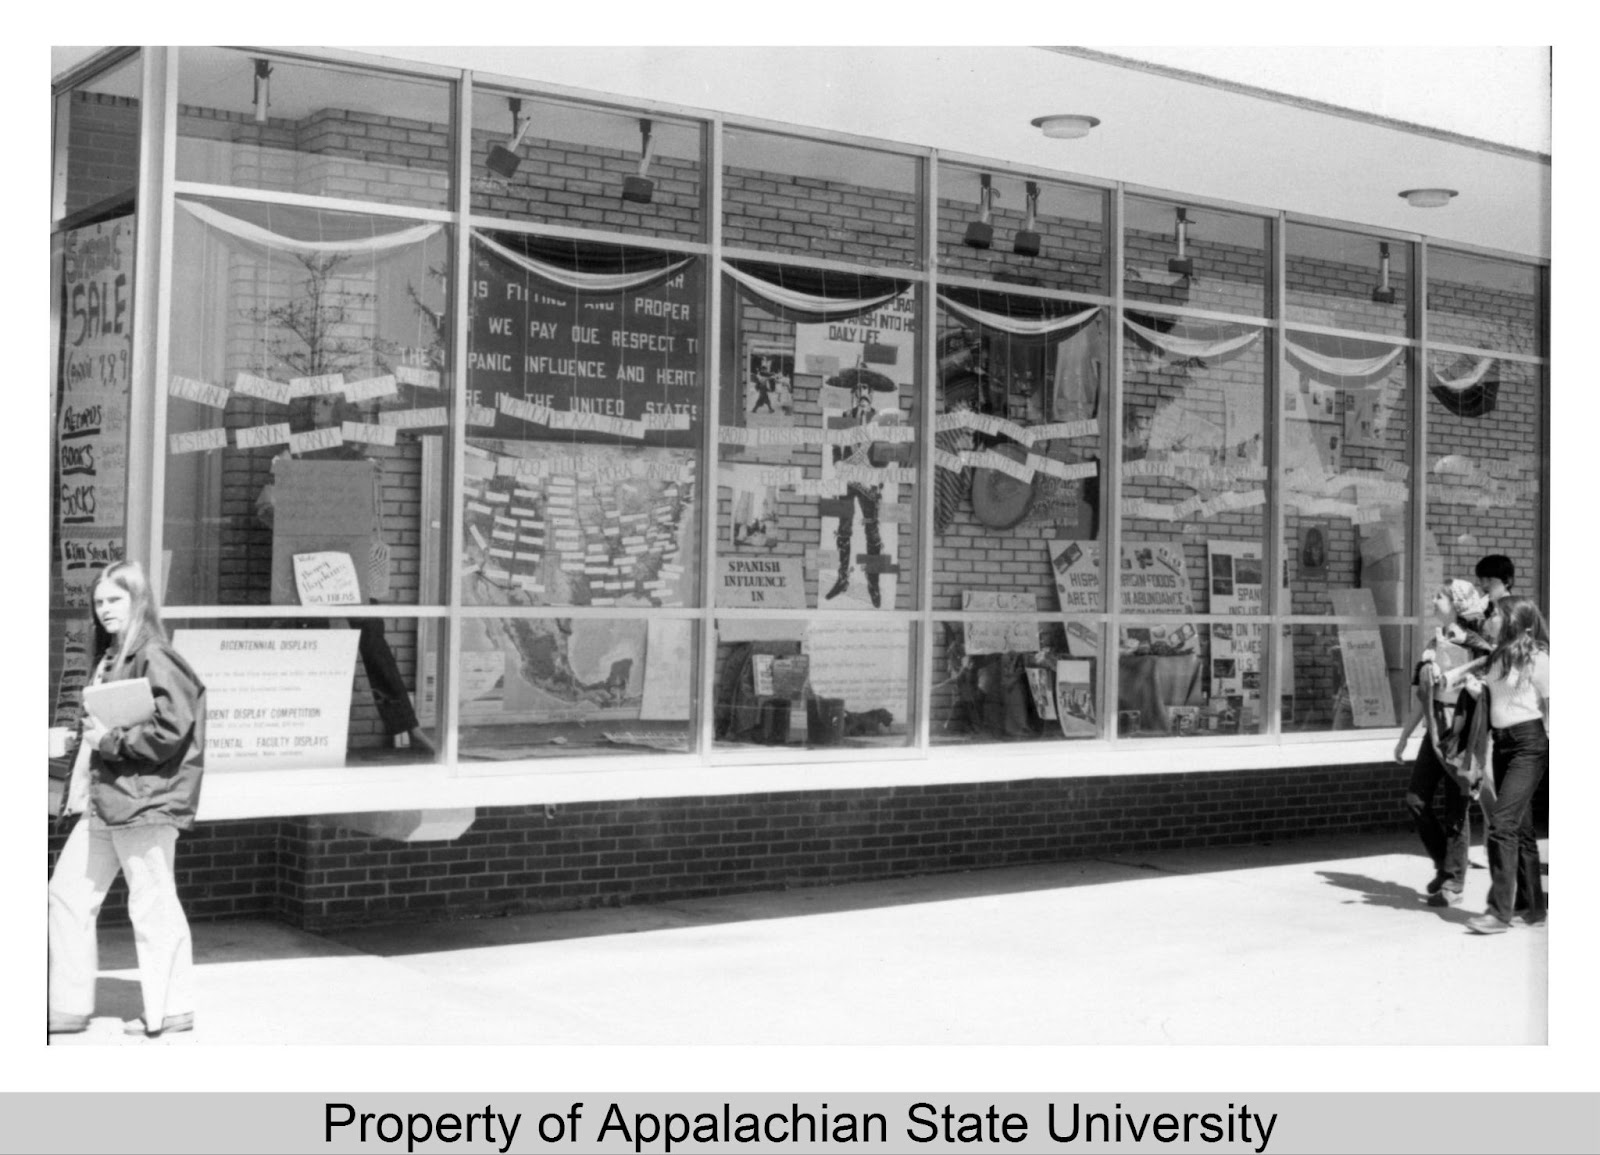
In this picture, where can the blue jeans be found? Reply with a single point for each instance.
(1446, 841)
(1521, 761)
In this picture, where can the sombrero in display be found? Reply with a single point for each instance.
(871, 378)
(999, 500)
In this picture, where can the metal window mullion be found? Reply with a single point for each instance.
(1111, 491)
(711, 359)
(1273, 651)
(153, 214)
(922, 685)
(447, 665)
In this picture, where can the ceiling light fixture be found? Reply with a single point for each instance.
(980, 233)
(1065, 125)
(263, 89)
(503, 160)
(639, 189)
(1028, 242)
(1182, 264)
(1383, 294)
(1428, 198)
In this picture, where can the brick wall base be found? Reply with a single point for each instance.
(514, 860)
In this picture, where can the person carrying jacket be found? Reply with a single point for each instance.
(136, 788)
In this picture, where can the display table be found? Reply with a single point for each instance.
(1151, 684)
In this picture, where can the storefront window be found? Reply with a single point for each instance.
(307, 404)
(1484, 303)
(1020, 435)
(1177, 678)
(1201, 258)
(1346, 461)
(1484, 455)
(549, 687)
(255, 121)
(1034, 232)
(96, 142)
(1353, 676)
(822, 200)
(1343, 280)
(1009, 677)
(566, 164)
(817, 452)
(789, 681)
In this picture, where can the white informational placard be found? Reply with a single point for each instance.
(326, 578)
(1000, 635)
(1366, 675)
(864, 663)
(275, 699)
(1154, 577)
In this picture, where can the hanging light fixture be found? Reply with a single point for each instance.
(263, 88)
(980, 233)
(639, 189)
(1027, 241)
(1182, 264)
(1065, 125)
(1428, 198)
(1383, 294)
(503, 160)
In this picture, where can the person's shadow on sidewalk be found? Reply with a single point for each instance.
(1392, 895)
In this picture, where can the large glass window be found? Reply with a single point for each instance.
(1485, 303)
(819, 199)
(253, 120)
(567, 164)
(1021, 230)
(97, 141)
(1202, 258)
(1344, 280)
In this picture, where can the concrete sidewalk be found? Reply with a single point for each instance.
(1312, 941)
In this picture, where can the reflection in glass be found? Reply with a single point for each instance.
(1020, 436)
(252, 121)
(1199, 257)
(543, 687)
(1065, 245)
(1346, 474)
(783, 193)
(797, 682)
(568, 164)
(97, 140)
(1348, 677)
(1484, 303)
(1013, 679)
(1193, 469)
(1484, 456)
(1345, 280)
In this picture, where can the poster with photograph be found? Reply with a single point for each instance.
(1238, 586)
(1041, 684)
(875, 356)
(753, 505)
(768, 385)
(1369, 413)
(1154, 577)
(1075, 699)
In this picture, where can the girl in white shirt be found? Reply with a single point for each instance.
(1518, 684)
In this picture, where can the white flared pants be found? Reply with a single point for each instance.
(90, 862)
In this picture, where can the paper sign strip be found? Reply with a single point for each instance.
(316, 439)
(262, 435)
(191, 390)
(198, 441)
(263, 387)
(316, 386)
(414, 418)
(371, 434)
(420, 378)
(371, 387)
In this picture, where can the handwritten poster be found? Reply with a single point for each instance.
(326, 578)
(1154, 577)
(1000, 635)
(82, 559)
(866, 664)
(96, 365)
(275, 699)
(76, 654)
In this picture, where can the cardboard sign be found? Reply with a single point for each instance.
(326, 578)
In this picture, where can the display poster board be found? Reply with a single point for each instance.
(275, 699)
(585, 361)
(867, 365)
(1366, 675)
(556, 670)
(668, 670)
(77, 646)
(1018, 635)
(1075, 699)
(1154, 577)
(1236, 581)
(772, 583)
(319, 507)
(865, 663)
(768, 385)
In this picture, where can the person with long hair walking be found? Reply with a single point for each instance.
(1517, 681)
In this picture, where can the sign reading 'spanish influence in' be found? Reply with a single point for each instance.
(275, 699)
(761, 583)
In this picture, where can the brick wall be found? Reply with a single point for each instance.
(516, 860)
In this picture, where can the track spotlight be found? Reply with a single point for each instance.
(1182, 264)
(980, 233)
(263, 89)
(503, 160)
(639, 189)
(1027, 241)
(1383, 294)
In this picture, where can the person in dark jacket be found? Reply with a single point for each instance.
(136, 787)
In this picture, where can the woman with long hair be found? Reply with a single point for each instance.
(1517, 681)
(136, 787)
